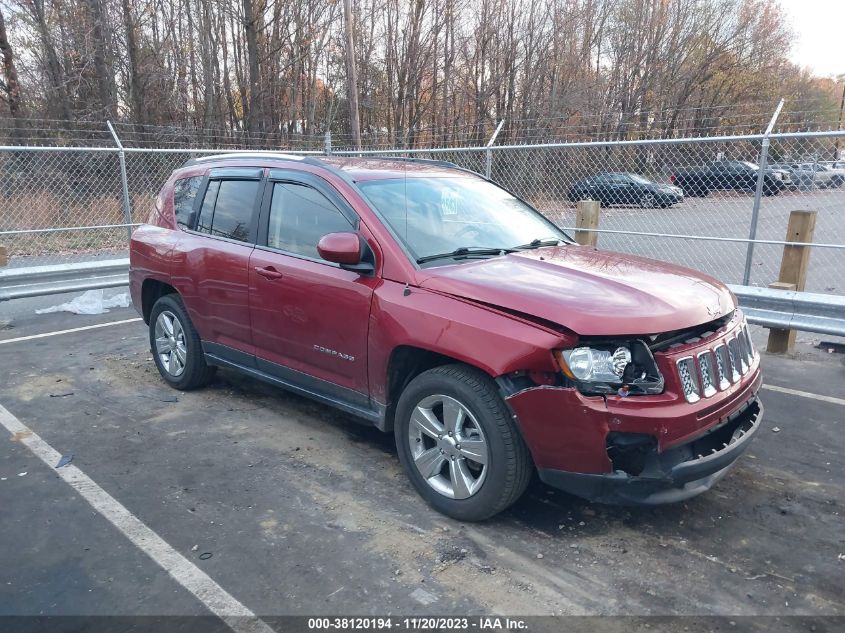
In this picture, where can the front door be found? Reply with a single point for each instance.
(310, 318)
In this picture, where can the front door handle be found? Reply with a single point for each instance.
(269, 272)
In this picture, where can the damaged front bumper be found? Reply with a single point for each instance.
(673, 475)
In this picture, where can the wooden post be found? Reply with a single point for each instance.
(4, 258)
(587, 217)
(793, 272)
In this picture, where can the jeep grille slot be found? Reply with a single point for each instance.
(733, 362)
(749, 344)
(689, 379)
(705, 366)
(722, 365)
(715, 369)
(737, 355)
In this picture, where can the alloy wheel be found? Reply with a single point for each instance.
(448, 447)
(170, 344)
(647, 201)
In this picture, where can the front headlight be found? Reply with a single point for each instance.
(623, 367)
(597, 365)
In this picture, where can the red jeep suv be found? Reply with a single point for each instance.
(432, 303)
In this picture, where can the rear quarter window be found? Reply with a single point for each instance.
(185, 192)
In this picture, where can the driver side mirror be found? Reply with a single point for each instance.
(347, 250)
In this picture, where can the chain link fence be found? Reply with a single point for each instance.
(66, 204)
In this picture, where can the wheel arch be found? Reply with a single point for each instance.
(151, 291)
(405, 363)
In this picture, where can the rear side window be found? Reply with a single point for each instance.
(227, 208)
(185, 191)
(299, 217)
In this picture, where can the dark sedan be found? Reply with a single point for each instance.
(626, 188)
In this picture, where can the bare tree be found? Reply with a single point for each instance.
(10, 85)
(406, 71)
(351, 74)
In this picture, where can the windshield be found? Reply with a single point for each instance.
(443, 214)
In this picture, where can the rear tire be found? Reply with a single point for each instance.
(176, 346)
(438, 467)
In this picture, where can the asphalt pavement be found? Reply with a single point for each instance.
(292, 508)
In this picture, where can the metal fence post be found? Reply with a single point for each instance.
(488, 165)
(127, 207)
(327, 142)
(758, 194)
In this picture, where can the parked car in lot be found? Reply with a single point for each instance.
(833, 170)
(627, 189)
(729, 175)
(798, 177)
(429, 302)
(836, 165)
(816, 174)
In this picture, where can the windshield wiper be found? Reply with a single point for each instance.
(466, 251)
(549, 241)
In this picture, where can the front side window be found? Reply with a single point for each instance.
(443, 214)
(299, 216)
(227, 208)
(185, 191)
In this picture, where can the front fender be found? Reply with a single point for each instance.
(495, 342)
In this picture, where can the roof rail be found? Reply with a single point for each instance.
(247, 155)
(424, 161)
(429, 161)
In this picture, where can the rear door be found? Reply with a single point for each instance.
(310, 317)
(211, 261)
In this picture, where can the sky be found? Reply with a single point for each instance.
(819, 26)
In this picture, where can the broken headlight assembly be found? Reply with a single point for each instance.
(611, 367)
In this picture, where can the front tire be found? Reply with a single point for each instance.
(176, 346)
(459, 445)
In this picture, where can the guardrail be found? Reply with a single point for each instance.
(771, 308)
(791, 310)
(39, 281)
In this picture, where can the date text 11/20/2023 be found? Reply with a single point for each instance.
(483, 623)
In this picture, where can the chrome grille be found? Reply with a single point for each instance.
(752, 353)
(744, 352)
(735, 345)
(722, 364)
(689, 379)
(714, 370)
(705, 367)
(733, 357)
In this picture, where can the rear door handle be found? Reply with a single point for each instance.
(269, 272)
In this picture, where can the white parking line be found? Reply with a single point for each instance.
(76, 329)
(183, 571)
(805, 394)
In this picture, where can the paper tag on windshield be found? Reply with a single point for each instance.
(450, 201)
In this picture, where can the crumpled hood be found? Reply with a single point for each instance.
(591, 292)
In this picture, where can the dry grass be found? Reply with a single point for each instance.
(42, 210)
